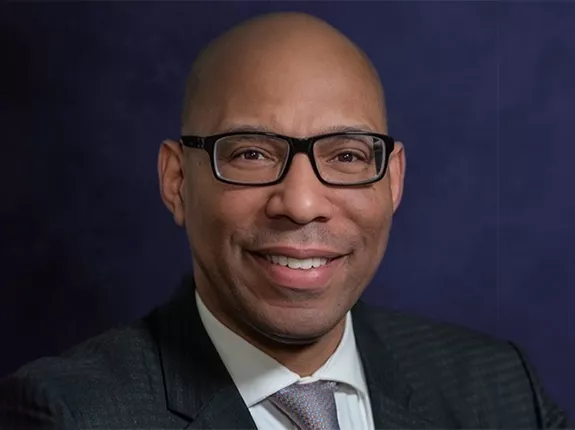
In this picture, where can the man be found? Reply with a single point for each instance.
(286, 182)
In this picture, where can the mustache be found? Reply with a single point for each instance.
(304, 236)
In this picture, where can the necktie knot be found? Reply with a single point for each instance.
(310, 406)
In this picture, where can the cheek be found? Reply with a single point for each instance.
(371, 211)
(218, 212)
(203, 220)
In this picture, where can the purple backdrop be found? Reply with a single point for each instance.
(481, 92)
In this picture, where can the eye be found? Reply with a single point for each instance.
(250, 154)
(349, 157)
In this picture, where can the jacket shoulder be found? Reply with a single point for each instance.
(441, 348)
(114, 374)
(115, 355)
(407, 331)
(468, 368)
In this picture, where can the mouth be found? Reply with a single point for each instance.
(297, 263)
(299, 269)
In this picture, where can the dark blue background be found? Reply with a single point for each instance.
(482, 93)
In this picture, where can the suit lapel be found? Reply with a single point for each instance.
(200, 389)
(394, 402)
(198, 386)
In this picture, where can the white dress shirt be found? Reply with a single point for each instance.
(258, 376)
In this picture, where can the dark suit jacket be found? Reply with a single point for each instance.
(163, 372)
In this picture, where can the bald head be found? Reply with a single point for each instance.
(288, 50)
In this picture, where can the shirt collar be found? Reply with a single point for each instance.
(258, 376)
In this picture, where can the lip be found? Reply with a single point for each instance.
(299, 253)
(314, 280)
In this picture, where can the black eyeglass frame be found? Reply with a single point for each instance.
(296, 146)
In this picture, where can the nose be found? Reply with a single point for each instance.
(301, 197)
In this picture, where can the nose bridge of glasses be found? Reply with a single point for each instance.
(301, 169)
(297, 146)
(301, 145)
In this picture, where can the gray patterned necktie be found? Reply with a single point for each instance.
(310, 406)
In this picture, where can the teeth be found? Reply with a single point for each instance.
(294, 263)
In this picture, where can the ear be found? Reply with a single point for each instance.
(171, 175)
(396, 167)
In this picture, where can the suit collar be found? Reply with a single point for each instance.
(198, 386)
(258, 376)
(394, 401)
(200, 389)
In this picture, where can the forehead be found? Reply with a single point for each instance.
(297, 94)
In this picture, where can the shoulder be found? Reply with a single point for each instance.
(464, 366)
(458, 361)
(116, 354)
(98, 374)
(407, 333)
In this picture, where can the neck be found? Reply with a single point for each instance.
(301, 358)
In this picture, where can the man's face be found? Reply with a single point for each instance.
(234, 230)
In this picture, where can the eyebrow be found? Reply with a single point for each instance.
(247, 128)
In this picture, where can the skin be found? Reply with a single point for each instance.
(291, 74)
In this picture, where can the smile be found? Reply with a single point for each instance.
(296, 263)
(311, 270)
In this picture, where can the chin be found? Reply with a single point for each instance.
(296, 326)
(296, 339)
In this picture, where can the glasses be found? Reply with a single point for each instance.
(259, 158)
